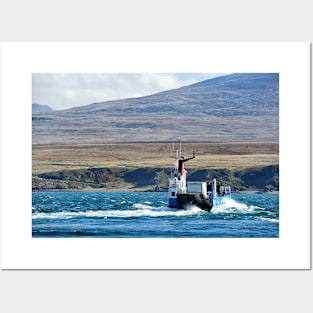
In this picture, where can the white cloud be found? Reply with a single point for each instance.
(66, 90)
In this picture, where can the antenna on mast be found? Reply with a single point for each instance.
(180, 147)
(175, 144)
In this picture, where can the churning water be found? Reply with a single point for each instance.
(146, 215)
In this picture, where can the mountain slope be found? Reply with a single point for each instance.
(40, 108)
(237, 107)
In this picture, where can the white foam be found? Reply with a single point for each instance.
(268, 219)
(141, 206)
(137, 210)
(232, 206)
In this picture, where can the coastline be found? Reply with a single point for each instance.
(140, 167)
(275, 192)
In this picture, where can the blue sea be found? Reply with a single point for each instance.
(146, 215)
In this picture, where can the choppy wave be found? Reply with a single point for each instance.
(232, 206)
(237, 209)
(144, 210)
(268, 219)
(147, 209)
(137, 210)
(146, 215)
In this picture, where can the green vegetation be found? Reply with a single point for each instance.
(146, 166)
(262, 178)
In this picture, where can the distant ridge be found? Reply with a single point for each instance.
(236, 107)
(40, 108)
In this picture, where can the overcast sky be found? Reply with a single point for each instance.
(63, 91)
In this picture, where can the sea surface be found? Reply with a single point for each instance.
(146, 215)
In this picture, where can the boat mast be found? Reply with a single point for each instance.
(178, 152)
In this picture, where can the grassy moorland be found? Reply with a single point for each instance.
(128, 166)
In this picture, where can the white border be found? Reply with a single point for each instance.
(20, 251)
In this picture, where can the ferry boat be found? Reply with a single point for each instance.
(184, 194)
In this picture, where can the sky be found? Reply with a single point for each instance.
(66, 90)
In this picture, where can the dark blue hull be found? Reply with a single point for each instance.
(184, 201)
